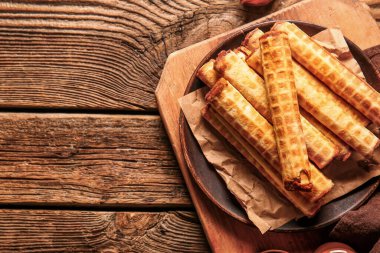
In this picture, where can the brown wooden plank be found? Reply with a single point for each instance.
(92, 231)
(79, 159)
(97, 54)
(88, 231)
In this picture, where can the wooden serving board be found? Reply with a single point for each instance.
(224, 233)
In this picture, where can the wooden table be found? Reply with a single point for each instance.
(85, 163)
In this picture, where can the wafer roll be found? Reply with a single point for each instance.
(282, 95)
(344, 149)
(320, 149)
(329, 109)
(242, 52)
(233, 137)
(315, 99)
(208, 74)
(332, 72)
(254, 61)
(251, 40)
(306, 83)
(257, 131)
(226, 100)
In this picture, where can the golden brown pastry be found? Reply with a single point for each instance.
(242, 52)
(257, 131)
(273, 176)
(254, 61)
(251, 40)
(329, 109)
(227, 101)
(316, 101)
(344, 149)
(307, 81)
(320, 149)
(332, 72)
(283, 103)
(208, 74)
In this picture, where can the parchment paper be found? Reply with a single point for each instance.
(265, 207)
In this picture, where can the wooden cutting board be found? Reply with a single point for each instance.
(225, 234)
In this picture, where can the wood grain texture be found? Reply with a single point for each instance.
(224, 233)
(374, 8)
(97, 54)
(79, 159)
(86, 231)
(100, 54)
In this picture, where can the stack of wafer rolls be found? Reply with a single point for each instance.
(230, 66)
(258, 132)
(209, 76)
(288, 116)
(329, 109)
(307, 207)
(254, 61)
(282, 96)
(332, 72)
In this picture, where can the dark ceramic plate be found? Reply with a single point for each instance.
(214, 187)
